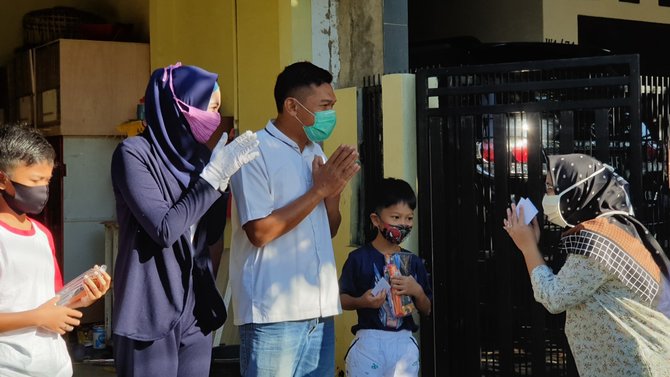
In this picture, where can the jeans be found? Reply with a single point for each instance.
(287, 349)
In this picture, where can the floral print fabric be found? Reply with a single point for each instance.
(610, 332)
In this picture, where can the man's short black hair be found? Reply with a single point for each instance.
(297, 76)
(392, 191)
(23, 144)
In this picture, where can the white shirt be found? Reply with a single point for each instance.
(293, 277)
(27, 273)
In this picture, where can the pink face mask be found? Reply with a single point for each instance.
(203, 123)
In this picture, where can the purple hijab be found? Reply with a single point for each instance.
(167, 130)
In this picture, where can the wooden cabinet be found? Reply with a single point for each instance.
(19, 106)
(87, 88)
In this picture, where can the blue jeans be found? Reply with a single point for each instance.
(287, 349)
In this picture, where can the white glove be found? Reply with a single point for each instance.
(226, 160)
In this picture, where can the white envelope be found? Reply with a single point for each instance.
(381, 285)
(529, 210)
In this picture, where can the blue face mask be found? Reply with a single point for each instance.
(324, 124)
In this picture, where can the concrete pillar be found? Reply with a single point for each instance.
(396, 41)
(373, 39)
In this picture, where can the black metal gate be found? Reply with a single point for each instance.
(480, 132)
(371, 154)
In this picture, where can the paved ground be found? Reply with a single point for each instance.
(86, 370)
(99, 363)
(92, 370)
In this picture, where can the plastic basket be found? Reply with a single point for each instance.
(45, 25)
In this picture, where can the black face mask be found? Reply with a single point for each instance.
(27, 199)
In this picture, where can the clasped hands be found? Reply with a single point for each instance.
(332, 176)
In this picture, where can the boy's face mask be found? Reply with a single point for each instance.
(394, 234)
(27, 199)
(324, 124)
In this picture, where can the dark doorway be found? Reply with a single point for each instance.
(648, 39)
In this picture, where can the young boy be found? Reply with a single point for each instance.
(384, 283)
(31, 324)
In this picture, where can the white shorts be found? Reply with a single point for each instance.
(34, 353)
(383, 353)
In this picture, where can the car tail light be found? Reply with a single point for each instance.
(520, 153)
(487, 150)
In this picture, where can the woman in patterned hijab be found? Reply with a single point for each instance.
(614, 284)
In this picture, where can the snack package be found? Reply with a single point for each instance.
(398, 265)
(74, 290)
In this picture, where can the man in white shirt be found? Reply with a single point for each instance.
(282, 268)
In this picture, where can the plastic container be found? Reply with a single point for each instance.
(74, 290)
(140, 109)
(98, 337)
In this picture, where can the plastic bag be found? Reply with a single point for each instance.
(398, 265)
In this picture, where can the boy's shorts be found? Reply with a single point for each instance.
(383, 353)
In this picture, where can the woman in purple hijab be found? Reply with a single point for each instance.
(171, 206)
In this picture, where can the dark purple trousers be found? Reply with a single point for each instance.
(184, 352)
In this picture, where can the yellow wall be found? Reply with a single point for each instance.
(259, 63)
(345, 133)
(399, 143)
(270, 35)
(560, 17)
(399, 138)
(198, 33)
(246, 42)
